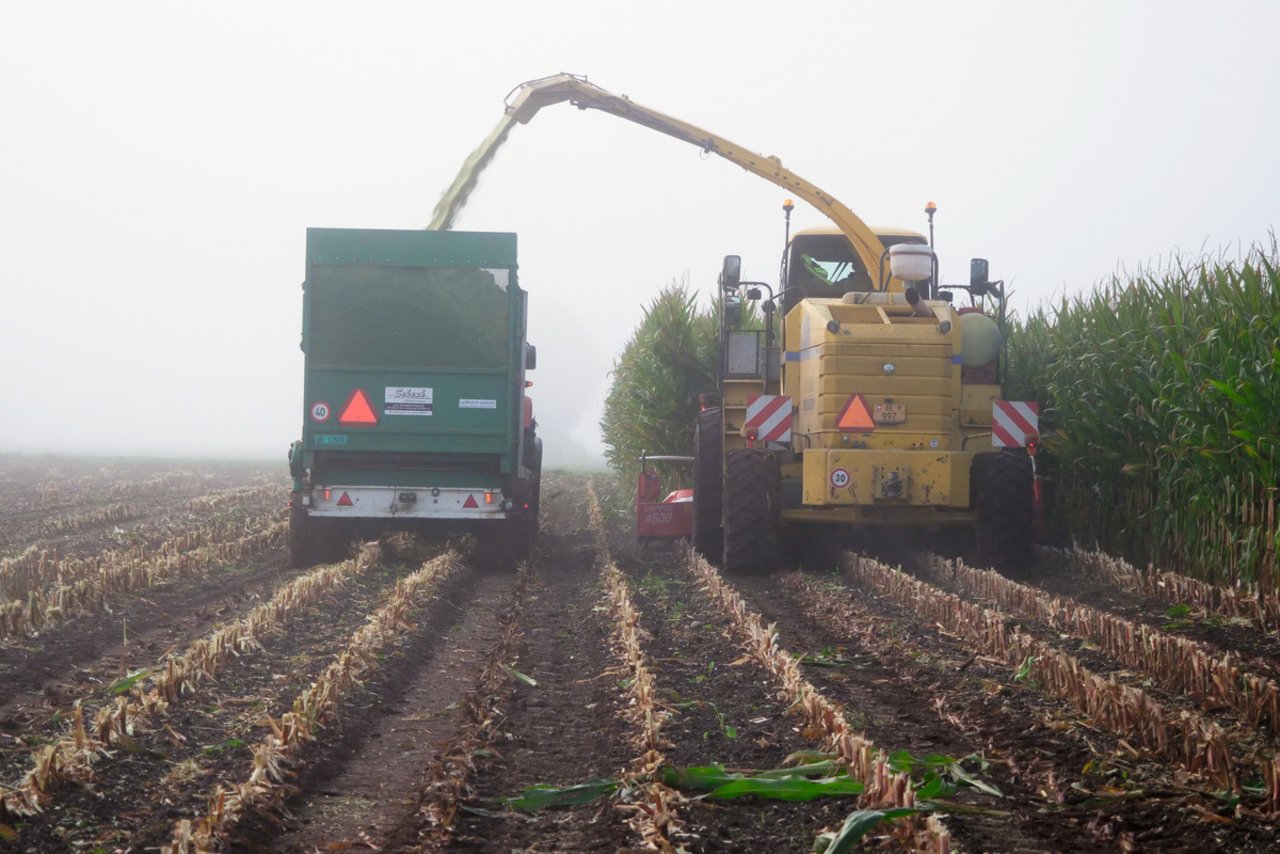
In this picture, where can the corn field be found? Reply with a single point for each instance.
(1162, 391)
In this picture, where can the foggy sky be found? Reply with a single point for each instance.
(160, 162)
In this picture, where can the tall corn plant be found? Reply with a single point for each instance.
(653, 401)
(1163, 393)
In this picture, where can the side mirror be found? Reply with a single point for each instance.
(978, 273)
(530, 357)
(731, 272)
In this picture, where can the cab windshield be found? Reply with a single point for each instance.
(825, 265)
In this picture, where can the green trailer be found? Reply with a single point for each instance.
(415, 415)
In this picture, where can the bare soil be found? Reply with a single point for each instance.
(559, 714)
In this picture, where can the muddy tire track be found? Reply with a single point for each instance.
(366, 787)
(567, 728)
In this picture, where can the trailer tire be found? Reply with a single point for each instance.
(752, 511)
(302, 553)
(1002, 494)
(708, 484)
(534, 464)
(313, 541)
(502, 545)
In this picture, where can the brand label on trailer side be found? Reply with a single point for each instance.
(408, 400)
(475, 403)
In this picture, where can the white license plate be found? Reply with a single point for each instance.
(890, 413)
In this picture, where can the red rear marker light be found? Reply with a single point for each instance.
(328, 493)
(488, 498)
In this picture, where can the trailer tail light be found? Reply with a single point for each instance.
(489, 497)
(328, 493)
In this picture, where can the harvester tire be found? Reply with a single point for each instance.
(752, 511)
(708, 484)
(1002, 493)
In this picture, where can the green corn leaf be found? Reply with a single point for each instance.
(932, 786)
(788, 789)
(958, 772)
(704, 777)
(824, 767)
(543, 796)
(123, 686)
(857, 825)
(516, 674)
(904, 760)
(783, 784)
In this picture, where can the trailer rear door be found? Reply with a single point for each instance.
(414, 345)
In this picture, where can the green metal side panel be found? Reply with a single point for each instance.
(341, 246)
(414, 344)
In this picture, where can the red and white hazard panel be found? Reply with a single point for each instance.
(768, 418)
(1014, 423)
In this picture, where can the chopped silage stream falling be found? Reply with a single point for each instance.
(455, 198)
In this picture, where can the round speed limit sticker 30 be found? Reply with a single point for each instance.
(320, 411)
(839, 478)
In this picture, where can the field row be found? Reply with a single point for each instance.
(605, 698)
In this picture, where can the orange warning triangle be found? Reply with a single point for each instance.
(358, 410)
(345, 500)
(470, 502)
(856, 416)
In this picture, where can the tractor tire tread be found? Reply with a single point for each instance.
(708, 485)
(1002, 485)
(752, 511)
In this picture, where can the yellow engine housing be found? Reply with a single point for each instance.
(912, 461)
(892, 478)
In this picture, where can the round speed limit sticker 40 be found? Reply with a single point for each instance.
(320, 411)
(839, 478)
